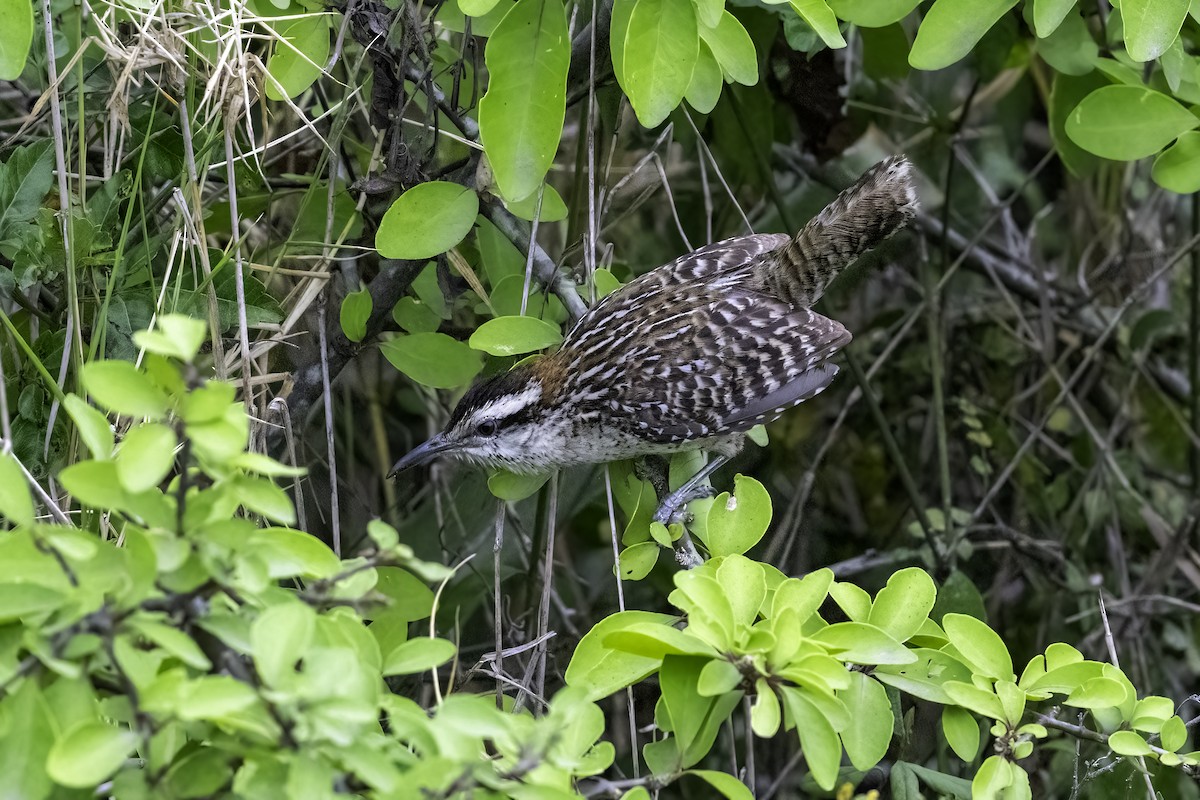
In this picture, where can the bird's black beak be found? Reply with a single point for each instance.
(422, 454)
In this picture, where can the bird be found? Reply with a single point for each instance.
(690, 355)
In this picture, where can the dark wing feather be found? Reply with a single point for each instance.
(737, 361)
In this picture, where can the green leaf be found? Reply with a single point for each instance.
(356, 310)
(729, 786)
(718, 677)
(1173, 734)
(1126, 123)
(93, 483)
(280, 637)
(25, 178)
(177, 336)
(803, 595)
(860, 643)
(622, 10)
(971, 697)
(175, 642)
(852, 599)
(869, 732)
(636, 561)
(18, 600)
(16, 503)
(1047, 14)
(1066, 93)
(146, 456)
(873, 13)
(657, 641)
(765, 713)
(993, 779)
(600, 669)
(121, 388)
(1098, 693)
(744, 583)
(262, 496)
(414, 316)
(418, 655)
(903, 606)
(1151, 26)
(1128, 743)
(521, 116)
(427, 220)
(981, 646)
(661, 47)
(290, 553)
(214, 697)
(737, 522)
(695, 720)
(16, 36)
(1177, 168)
(433, 359)
(476, 8)
(733, 49)
(89, 753)
(508, 336)
(951, 29)
(298, 57)
(93, 426)
(821, 19)
(1071, 48)
(961, 731)
(553, 207)
(818, 740)
(511, 486)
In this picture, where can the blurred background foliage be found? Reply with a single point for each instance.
(1019, 413)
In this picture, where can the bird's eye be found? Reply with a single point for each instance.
(487, 427)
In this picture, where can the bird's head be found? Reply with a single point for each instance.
(497, 423)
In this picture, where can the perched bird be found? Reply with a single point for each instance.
(689, 355)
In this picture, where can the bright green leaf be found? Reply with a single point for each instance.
(993, 779)
(177, 336)
(1177, 168)
(765, 713)
(511, 486)
(418, 655)
(88, 753)
(660, 52)
(821, 19)
(1047, 14)
(737, 522)
(818, 740)
(961, 731)
(280, 637)
(727, 785)
(734, 51)
(16, 503)
(356, 310)
(636, 561)
(507, 336)
(869, 732)
(600, 669)
(1173, 734)
(146, 456)
(427, 220)
(718, 677)
(1151, 26)
(521, 116)
(16, 36)
(979, 645)
(1128, 743)
(951, 28)
(903, 606)
(860, 643)
(299, 56)
(120, 387)
(433, 359)
(93, 426)
(1126, 123)
(873, 13)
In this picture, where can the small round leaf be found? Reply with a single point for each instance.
(427, 220)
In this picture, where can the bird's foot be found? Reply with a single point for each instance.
(672, 508)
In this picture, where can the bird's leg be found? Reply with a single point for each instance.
(670, 507)
(654, 470)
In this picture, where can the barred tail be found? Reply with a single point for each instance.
(861, 217)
